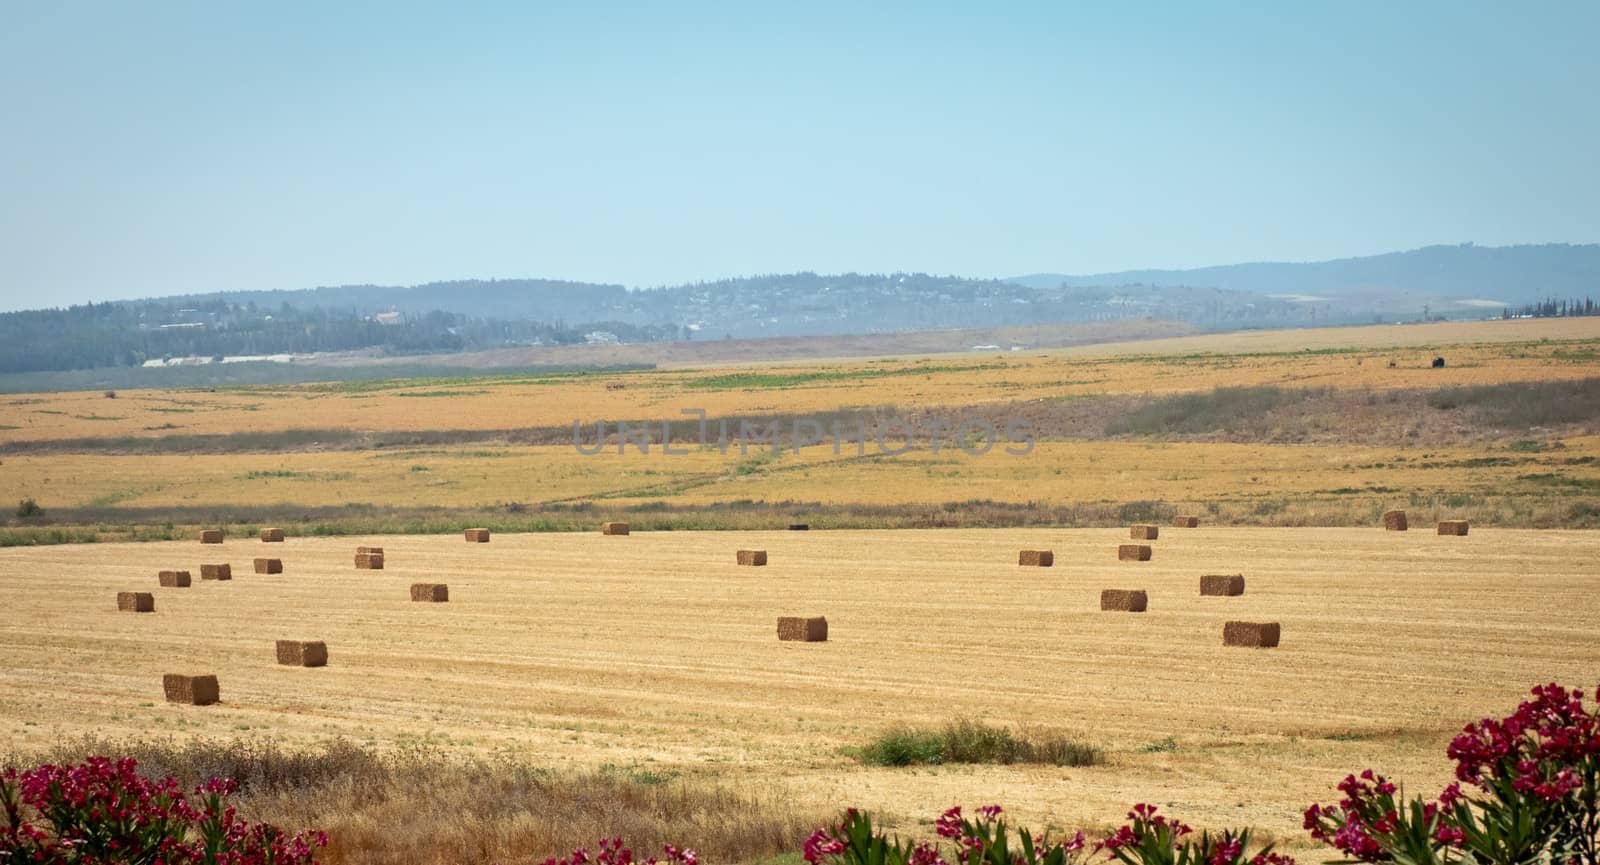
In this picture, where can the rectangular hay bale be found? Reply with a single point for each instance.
(303, 653)
(801, 629)
(1036, 558)
(1394, 521)
(369, 561)
(211, 536)
(193, 690)
(433, 593)
(269, 566)
(272, 536)
(1124, 600)
(377, 551)
(614, 529)
(1258, 635)
(1133, 553)
(216, 572)
(1226, 585)
(1144, 533)
(477, 536)
(136, 602)
(1186, 522)
(173, 579)
(799, 527)
(1453, 527)
(751, 557)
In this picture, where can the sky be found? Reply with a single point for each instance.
(162, 148)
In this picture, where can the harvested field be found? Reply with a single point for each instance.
(553, 663)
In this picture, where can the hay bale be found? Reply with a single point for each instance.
(1394, 521)
(1453, 527)
(799, 527)
(1124, 600)
(173, 579)
(1226, 585)
(1036, 558)
(802, 630)
(614, 529)
(272, 536)
(1133, 553)
(1186, 522)
(477, 536)
(216, 572)
(303, 653)
(433, 593)
(193, 690)
(1257, 635)
(378, 551)
(136, 602)
(751, 557)
(1144, 533)
(369, 561)
(211, 536)
(269, 566)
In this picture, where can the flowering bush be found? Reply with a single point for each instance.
(1532, 781)
(1150, 839)
(985, 841)
(103, 811)
(613, 853)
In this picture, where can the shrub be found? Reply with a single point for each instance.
(613, 853)
(987, 841)
(1534, 782)
(28, 508)
(105, 811)
(1149, 839)
(965, 741)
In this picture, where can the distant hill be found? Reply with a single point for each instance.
(1511, 275)
(487, 315)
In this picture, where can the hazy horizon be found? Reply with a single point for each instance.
(184, 150)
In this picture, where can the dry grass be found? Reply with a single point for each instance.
(417, 805)
(571, 661)
(1196, 473)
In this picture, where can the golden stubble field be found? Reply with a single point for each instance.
(655, 651)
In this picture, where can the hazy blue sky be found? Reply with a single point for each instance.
(151, 148)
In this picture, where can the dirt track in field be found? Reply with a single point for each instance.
(656, 651)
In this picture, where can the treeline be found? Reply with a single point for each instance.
(97, 336)
(1553, 308)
